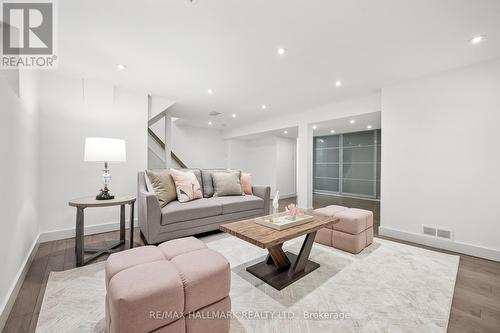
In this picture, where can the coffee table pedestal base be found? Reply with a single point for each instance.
(280, 279)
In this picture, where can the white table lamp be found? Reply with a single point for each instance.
(104, 150)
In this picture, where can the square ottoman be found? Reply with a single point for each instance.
(175, 287)
(352, 233)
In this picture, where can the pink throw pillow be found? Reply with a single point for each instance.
(186, 184)
(246, 182)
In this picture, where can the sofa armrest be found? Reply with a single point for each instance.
(263, 192)
(149, 211)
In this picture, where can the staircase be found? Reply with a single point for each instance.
(157, 148)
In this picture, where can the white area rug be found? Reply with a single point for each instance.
(389, 287)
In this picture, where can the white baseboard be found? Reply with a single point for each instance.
(16, 285)
(469, 249)
(89, 230)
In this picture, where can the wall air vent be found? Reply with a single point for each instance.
(214, 113)
(430, 231)
(442, 233)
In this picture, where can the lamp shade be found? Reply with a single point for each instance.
(104, 150)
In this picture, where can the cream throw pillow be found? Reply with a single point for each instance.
(227, 183)
(163, 185)
(187, 186)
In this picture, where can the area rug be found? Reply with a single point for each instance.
(388, 287)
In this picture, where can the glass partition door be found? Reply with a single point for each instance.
(347, 164)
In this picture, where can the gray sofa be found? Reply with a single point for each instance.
(178, 219)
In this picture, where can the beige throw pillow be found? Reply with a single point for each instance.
(187, 185)
(163, 185)
(227, 183)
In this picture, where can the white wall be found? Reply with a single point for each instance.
(70, 110)
(286, 168)
(198, 147)
(270, 160)
(441, 156)
(19, 182)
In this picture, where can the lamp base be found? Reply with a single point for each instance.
(104, 195)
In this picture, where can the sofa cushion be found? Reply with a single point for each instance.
(227, 183)
(175, 247)
(197, 173)
(206, 277)
(176, 211)
(234, 204)
(120, 261)
(246, 182)
(135, 292)
(163, 185)
(187, 185)
(208, 186)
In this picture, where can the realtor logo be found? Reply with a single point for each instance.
(28, 34)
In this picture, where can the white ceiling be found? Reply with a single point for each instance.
(179, 50)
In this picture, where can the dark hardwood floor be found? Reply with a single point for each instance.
(475, 307)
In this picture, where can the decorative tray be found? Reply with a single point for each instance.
(283, 221)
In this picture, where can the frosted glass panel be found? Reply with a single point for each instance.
(359, 171)
(359, 138)
(359, 187)
(327, 155)
(329, 185)
(348, 163)
(327, 170)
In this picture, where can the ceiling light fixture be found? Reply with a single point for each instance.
(281, 51)
(233, 115)
(121, 67)
(285, 132)
(338, 83)
(210, 123)
(369, 126)
(264, 106)
(352, 121)
(315, 127)
(332, 131)
(210, 91)
(477, 39)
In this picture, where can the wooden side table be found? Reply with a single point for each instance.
(90, 202)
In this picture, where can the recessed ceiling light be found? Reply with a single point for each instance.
(477, 39)
(233, 115)
(285, 132)
(369, 126)
(338, 83)
(121, 67)
(352, 121)
(281, 51)
(210, 123)
(315, 127)
(264, 106)
(210, 91)
(332, 131)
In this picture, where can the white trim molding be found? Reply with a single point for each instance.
(442, 243)
(18, 282)
(89, 230)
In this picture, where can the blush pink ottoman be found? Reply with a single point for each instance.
(175, 287)
(352, 233)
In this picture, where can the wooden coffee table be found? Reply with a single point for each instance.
(280, 269)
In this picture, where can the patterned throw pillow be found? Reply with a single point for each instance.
(246, 182)
(187, 185)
